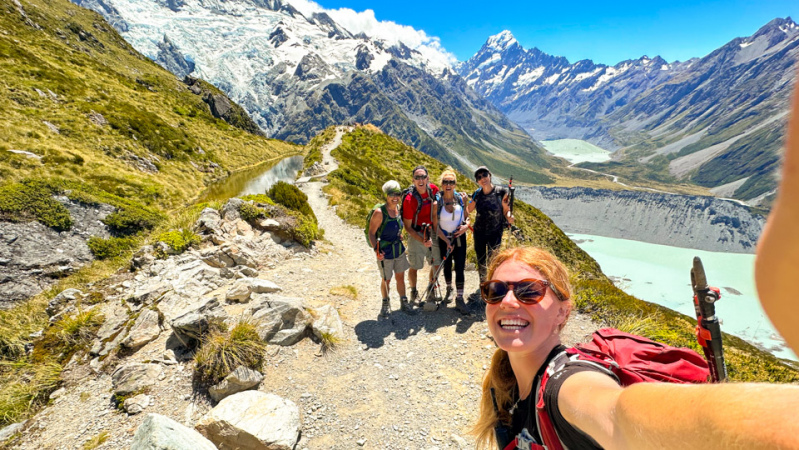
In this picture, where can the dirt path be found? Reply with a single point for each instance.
(406, 382)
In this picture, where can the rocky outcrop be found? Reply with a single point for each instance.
(171, 59)
(162, 433)
(279, 320)
(703, 223)
(33, 256)
(252, 420)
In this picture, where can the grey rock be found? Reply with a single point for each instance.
(209, 222)
(159, 432)
(133, 378)
(327, 323)
(171, 58)
(260, 286)
(60, 301)
(231, 209)
(144, 330)
(143, 257)
(279, 320)
(239, 292)
(252, 420)
(195, 323)
(136, 404)
(239, 380)
(220, 105)
(148, 293)
(269, 224)
(10, 430)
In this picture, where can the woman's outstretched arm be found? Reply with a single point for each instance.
(777, 261)
(667, 416)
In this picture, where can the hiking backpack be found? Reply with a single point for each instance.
(386, 219)
(440, 199)
(628, 358)
(419, 202)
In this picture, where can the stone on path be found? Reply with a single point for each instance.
(133, 378)
(239, 380)
(145, 329)
(252, 420)
(195, 323)
(159, 432)
(61, 300)
(136, 404)
(279, 320)
(327, 323)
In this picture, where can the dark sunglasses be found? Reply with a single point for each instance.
(448, 182)
(528, 291)
(481, 175)
(419, 177)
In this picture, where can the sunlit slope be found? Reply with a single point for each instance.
(79, 104)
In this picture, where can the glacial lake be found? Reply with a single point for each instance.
(661, 274)
(256, 180)
(576, 150)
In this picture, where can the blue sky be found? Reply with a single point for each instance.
(576, 29)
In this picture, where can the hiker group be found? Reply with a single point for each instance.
(436, 221)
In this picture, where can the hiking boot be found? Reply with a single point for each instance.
(386, 309)
(406, 307)
(414, 295)
(447, 296)
(460, 305)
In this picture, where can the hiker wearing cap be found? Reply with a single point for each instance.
(385, 235)
(493, 213)
(418, 208)
(535, 395)
(453, 222)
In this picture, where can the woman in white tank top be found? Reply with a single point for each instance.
(452, 224)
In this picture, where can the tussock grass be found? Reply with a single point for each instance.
(223, 350)
(329, 341)
(25, 387)
(67, 336)
(96, 441)
(348, 291)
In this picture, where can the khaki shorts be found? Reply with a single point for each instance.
(418, 253)
(396, 265)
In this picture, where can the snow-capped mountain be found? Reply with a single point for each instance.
(717, 121)
(296, 74)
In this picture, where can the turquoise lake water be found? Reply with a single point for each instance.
(661, 274)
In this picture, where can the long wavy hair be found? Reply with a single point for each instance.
(500, 374)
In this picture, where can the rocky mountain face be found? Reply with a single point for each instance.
(296, 75)
(716, 121)
(703, 223)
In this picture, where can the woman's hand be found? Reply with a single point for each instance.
(461, 229)
(381, 256)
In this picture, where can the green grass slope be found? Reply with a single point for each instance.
(369, 158)
(75, 94)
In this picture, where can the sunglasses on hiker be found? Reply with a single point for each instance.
(395, 193)
(448, 182)
(420, 177)
(528, 291)
(481, 175)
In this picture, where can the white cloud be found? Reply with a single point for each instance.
(365, 21)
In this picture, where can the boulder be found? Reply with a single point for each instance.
(146, 328)
(159, 432)
(133, 378)
(260, 286)
(195, 323)
(280, 320)
(149, 293)
(208, 223)
(143, 257)
(136, 404)
(252, 420)
(9, 431)
(229, 255)
(60, 301)
(231, 209)
(241, 379)
(327, 323)
(239, 292)
(269, 224)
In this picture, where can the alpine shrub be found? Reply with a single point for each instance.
(249, 212)
(33, 200)
(179, 240)
(291, 197)
(111, 247)
(131, 220)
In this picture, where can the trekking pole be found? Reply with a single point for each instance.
(708, 330)
(383, 279)
(512, 191)
(435, 276)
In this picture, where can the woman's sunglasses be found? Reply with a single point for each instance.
(448, 182)
(528, 291)
(481, 175)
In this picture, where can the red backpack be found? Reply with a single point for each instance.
(630, 358)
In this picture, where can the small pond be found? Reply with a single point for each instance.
(256, 180)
